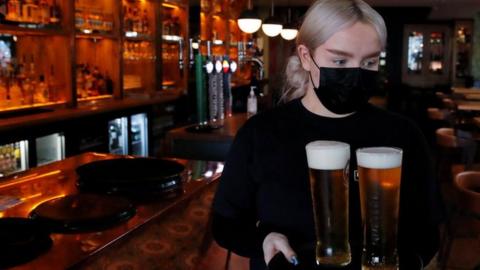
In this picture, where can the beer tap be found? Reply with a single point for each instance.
(191, 55)
(212, 84)
(219, 76)
(180, 56)
(232, 67)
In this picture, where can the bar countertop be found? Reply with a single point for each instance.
(211, 145)
(83, 109)
(59, 179)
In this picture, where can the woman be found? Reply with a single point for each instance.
(263, 203)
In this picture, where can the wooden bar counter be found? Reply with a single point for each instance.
(212, 145)
(177, 218)
(84, 109)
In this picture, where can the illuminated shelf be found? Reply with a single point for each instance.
(172, 38)
(100, 97)
(95, 35)
(31, 29)
(134, 36)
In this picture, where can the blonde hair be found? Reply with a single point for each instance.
(323, 19)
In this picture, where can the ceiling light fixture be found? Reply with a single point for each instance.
(248, 21)
(272, 26)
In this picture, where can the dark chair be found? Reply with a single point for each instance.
(467, 207)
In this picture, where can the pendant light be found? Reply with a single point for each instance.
(248, 21)
(272, 26)
(289, 30)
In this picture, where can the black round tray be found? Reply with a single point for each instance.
(22, 240)
(131, 176)
(83, 213)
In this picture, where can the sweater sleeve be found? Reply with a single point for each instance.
(234, 224)
(420, 207)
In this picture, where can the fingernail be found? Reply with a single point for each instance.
(294, 260)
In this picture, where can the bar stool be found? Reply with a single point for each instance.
(437, 114)
(467, 202)
(456, 153)
(440, 95)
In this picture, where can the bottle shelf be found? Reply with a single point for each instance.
(134, 36)
(172, 38)
(32, 29)
(96, 36)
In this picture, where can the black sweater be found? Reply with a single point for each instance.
(266, 179)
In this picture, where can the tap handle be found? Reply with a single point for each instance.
(180, 54)
(190, 53)
(209, 48)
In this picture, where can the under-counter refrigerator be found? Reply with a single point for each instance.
(139, 134)
(13, 157)
(50, 148)
(118, 136)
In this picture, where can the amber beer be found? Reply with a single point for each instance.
(379, 175)
(328, 165)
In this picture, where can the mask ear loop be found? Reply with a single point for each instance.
(310, 74)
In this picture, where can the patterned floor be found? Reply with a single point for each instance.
(176, 242)
(180, 241)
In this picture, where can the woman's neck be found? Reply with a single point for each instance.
(311, 102)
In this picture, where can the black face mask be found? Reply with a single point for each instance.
(345, 90)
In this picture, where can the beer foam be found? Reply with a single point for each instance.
(379, 157)
(327, 155)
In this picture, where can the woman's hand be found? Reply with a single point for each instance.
(276, 242)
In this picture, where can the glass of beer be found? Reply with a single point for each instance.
(328, 164)
(379, 171)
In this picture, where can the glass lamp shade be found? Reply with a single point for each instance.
(289, 33)
(249, 22)
(272, 27)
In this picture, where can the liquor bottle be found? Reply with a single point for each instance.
(3, 10)
(13, 10)
(175, 26)
(31, 70)
(44, 16)
(80, 81)
(95, 81)
(128, 19)
(166, 28)
(27, 90)
(27, 11)
(108, 84)
(35, 12)
(42, 94)
(137, 22)
(55, 13)
(15, 92)
(145, 23)
(52, 93)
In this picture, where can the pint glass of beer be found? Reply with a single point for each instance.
(328, 164)
(379, 171)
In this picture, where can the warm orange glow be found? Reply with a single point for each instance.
(99, 155)
(168, 5)
(32, 196)
(45, 200)
(29, 178)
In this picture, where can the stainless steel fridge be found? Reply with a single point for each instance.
(139, 134)
(118, 136)
(50, 148)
